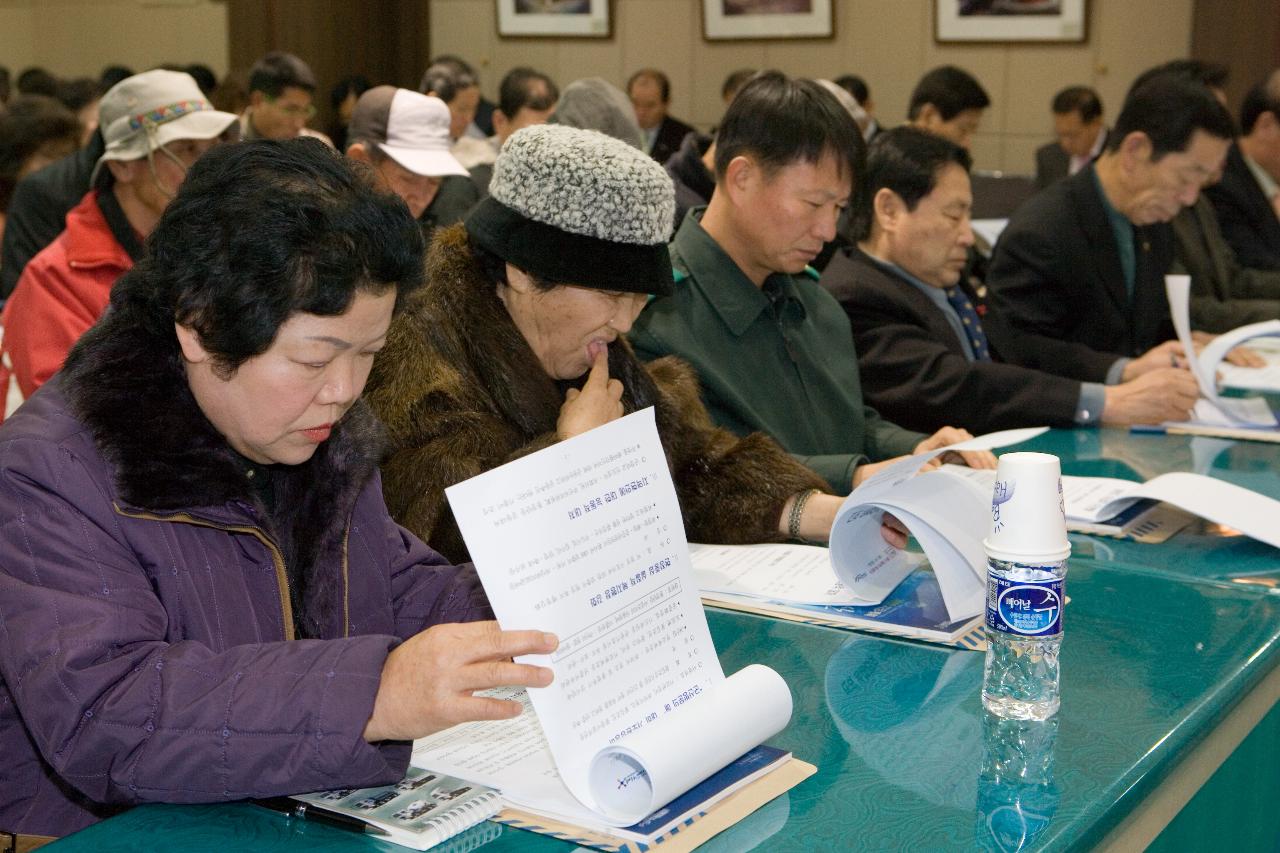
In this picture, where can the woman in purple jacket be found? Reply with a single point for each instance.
(202, 596)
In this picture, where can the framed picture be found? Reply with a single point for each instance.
(766, 19)
(554, 19)
(1010, 20)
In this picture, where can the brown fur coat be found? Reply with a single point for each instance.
(461, 392)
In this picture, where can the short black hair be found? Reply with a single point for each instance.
(519, 90)
(446, 80)
(29, 122)
(1169, 109)
(113, 74)
(277, 71)
(854, 85)
(1078, 99)
(734, 81)
(37, 81)
(664, 84)
(78, 93)
(352, 84)
(204, 77)
(457, 63)
(1262, 97)
(262, 230)
(778, 121)
(907, 161)
(951, 90)
(1211, 74)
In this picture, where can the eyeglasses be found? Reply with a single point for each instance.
(294, 110)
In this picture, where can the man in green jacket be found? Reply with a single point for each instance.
(773, 350)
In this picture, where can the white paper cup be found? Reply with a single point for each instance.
(1028, 519)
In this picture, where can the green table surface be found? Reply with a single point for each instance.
(1161, 642)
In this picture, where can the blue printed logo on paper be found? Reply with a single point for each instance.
(1027, 608)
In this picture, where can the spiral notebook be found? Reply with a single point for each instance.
(420, 811)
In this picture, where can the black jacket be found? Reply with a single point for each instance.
(38, 210)
(1245, 214)
(913, 367)
(1056, 290)
(671, 133)
(694, 183)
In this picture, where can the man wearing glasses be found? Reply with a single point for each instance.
(155, 126)
(281, 87)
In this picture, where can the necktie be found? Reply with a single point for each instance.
(972, 326)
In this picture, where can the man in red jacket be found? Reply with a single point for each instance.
(155, 124)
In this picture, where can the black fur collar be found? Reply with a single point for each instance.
(130, 390)
(481, 333)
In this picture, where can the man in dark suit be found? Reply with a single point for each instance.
(650, 93)
(1081, 133)
(1076, 282)
(917, 326)
(1247, 199)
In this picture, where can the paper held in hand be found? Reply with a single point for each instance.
(585, 539)
(1214, 410)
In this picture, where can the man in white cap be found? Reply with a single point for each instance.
(404, 136)
(155, 125)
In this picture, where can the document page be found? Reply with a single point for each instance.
(585, 539)
(795, 574)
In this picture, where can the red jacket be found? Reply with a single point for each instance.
(61, 293)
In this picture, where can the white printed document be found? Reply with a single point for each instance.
(585, 539)
(1214, 410)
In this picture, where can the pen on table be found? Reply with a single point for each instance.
(1149, 429)
(306, 811)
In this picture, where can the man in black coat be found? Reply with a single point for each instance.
(1076, 282)
(1246, 198)
(38, 210)
(650, 93)
(1080, 131)
(923, 355)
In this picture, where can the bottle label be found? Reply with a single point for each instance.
(1026, 608)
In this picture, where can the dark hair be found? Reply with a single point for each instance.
(112, 75)
(4, 84)
(78, 93)
(664, 84)
(30, 122)
(854, 85)
(1261, 98)
(1078, 99)
(907, 161)
(37, 81)
(778, 121)
(204, 77)
(457, 63)
(1169, 109)
(1211, 74)
(262, 230)
(494, 269)
(445, 81)
(518, 90)
(734, 81)
(277, 71)
(951, 90)
(354, 84)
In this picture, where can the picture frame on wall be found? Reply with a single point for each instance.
(555, 18)
(1060, 21)
(724, 20)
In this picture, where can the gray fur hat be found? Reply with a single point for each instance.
(578, 207)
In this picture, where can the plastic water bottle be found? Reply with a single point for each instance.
(1024, 633)
(1027, 552)
(1017, 797)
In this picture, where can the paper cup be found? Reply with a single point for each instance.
(1028, 519)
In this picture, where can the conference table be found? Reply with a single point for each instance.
(1168, 734)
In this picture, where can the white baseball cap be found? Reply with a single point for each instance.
(409, 127)
(143, 112)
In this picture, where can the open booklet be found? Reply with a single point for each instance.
(1214, 414)
(863, 582)
(1094, 500)
(585, 539)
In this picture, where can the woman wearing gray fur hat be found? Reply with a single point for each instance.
(517, 342)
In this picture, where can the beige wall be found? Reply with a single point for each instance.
(74, 38)
(888, 42)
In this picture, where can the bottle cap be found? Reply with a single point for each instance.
(1028, 519)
